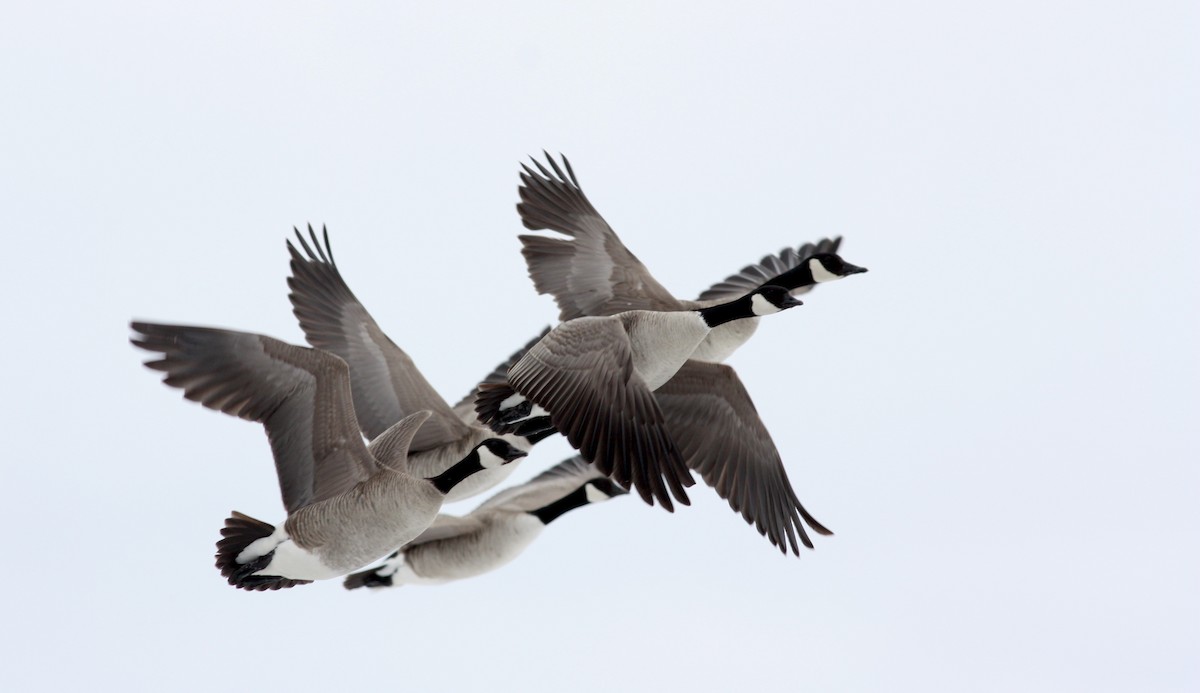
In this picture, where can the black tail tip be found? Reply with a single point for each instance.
(367, 578)
(239, 532)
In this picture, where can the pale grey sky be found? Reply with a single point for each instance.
(999, 421)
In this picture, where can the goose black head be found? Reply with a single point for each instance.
(501, 452)
(599, 490)
(826, 267)
(772, 299)
(762, 301)
(490, 454)
(594, 491)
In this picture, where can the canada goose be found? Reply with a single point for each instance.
(707, 409)
(385, 383)
(494, 533)
(348, 504)
(593, 273)
(595, 377)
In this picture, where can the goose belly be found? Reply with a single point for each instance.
(297, 563)
(663, 342)
(497, 544)
(724, 340)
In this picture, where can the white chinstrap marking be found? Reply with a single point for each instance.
(821, 273)
(593, 494)
(488, 459)
(761, 306)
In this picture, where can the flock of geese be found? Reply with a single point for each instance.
(367, 452)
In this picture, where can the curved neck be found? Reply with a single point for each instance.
(553, 511)
(737, 309)
(453, 476)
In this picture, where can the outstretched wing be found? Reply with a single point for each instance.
(300, 395)
(710, 416)
(386, 384)
(772, 269)
(583, 374)
(592, 273)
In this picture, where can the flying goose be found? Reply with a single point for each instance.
(595, 378)
(707, 410)
(593, 273)
(385, 383)
(494, 533)
(348, 504)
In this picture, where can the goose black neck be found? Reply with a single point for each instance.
(796, 277)
(572, 500)
(453, 476)
(736, 309)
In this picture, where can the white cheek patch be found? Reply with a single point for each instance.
(762, 306)
(819, 272)
(594, 495)
(488, 459)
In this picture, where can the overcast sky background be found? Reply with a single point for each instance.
(999, 421)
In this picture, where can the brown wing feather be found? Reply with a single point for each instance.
(582, 373)
(711, 417)
(386, 384)
(300, 395)
(592, 273)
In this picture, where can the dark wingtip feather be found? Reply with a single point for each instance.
(812, 522)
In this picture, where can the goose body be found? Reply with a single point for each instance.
(659, 343)
(595, 376)
(493, 534)
(707, 410)
(348, 504)
(338, 535)
(386, 384)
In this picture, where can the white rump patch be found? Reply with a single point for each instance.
(819, 272)
(261, 547)
(594, 495)
(291, 561)
(762, 306)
